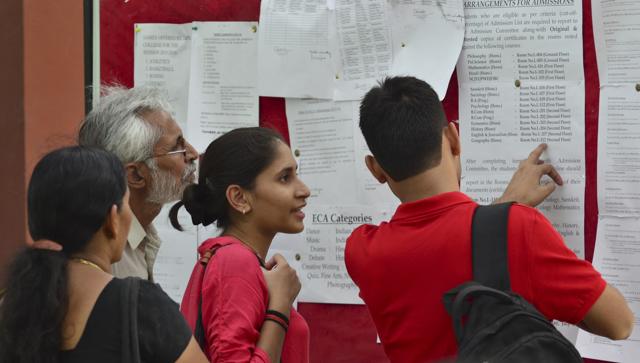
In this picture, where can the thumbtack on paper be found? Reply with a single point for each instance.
(403, 45)
(137, 29)
(517, 83)
(254, 28)
(337, 76)
(194, 28)
(298, 257)
(638, 87)
(296, 153)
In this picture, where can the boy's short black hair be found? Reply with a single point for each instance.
(402, 121)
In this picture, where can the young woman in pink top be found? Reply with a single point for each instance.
(240, 303)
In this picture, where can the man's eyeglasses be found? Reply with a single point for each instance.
(182, 151)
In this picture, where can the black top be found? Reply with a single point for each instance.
(163, 334)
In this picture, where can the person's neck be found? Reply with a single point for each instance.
(431, 182)
(254, 239)
(95, 253)
(144, 211)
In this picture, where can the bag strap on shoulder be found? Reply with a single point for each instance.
(489, 246)
(198, 331)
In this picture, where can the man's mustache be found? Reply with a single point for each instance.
(191, 168)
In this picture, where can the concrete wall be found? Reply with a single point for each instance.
(41, 99)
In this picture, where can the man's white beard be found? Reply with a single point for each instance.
(164, 187)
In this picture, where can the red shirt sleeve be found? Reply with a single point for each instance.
(354, 250)
(234, 302)
(562, 286)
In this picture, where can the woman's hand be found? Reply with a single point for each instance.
(282, 282)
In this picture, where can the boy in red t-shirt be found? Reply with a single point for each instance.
(404, 266)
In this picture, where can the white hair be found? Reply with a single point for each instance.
(116, 123)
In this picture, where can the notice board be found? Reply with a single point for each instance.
(339, 333)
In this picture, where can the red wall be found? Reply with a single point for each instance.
(339, 333)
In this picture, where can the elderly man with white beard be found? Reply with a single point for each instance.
(136, 125)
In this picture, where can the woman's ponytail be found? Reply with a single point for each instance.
(38, 279)
(204, 204)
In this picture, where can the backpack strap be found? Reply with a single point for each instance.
(489, 245)
(198, 331)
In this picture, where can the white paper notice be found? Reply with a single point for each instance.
(363, 40)
(569, 331)
(619, 151)
(616, 25)
(294, 52)
(338, 49)
(161, 60)
(324, 138)
(427, 39)
(616, 28)
(521, 84)
(330, 151)
(617, 257)
(321, 134)
(223, 92)
(177, 255)
(323, 274)
(564, 207)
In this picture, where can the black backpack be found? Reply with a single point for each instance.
(491, 322)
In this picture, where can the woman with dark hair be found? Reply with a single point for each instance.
(64, 305)
(239, 304)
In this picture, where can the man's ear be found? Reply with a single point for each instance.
(451, 133)
(137, 175)
(111, 223)
(238, 199)
(375, 169)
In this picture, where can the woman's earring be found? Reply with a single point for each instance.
(244, 211)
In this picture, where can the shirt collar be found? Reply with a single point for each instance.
(136, 233)
(430, 205)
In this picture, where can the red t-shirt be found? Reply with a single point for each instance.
(403, 268)
(234, 304)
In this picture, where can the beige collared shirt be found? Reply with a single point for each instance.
(139, 253)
